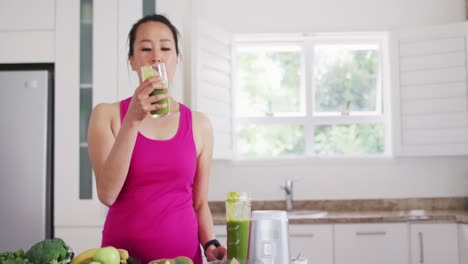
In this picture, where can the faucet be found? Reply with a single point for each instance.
(288, 188)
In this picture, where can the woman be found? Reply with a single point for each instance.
(153, 173)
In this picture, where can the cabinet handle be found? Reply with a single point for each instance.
(302, 235)
(371, 233)
(421, 247)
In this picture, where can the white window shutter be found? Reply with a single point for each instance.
(212, 84)
(429, 90)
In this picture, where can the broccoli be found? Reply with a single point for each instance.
(13, 257)
(50, 251)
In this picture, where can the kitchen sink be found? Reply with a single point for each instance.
(306, 214)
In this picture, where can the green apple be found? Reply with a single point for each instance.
(107, 255)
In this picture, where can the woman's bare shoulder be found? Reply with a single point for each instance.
(106, 109)
(106, 112)
(203, 132)
(106, 106)
(201, 120)
(103, 117)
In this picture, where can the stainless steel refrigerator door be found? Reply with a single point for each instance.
(23, 119)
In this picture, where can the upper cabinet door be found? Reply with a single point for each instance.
(128, 13)
(91, 65)
(73, 96)
(27, 15)
(105, 44)
(27, 31)
(429, 87)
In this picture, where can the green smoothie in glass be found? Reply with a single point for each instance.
(238, 226)
(158, 69)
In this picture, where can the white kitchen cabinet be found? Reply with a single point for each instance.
(80, 239)
(27, 15)
(314, 242)
(434, 243)
(69, 209)
(27, 47)
(27, 31)
(385, 243)
(463, 243)
(110, 22)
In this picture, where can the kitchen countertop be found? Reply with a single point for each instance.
(452, 209)
(458, 216)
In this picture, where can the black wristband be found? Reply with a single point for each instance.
(213, 242)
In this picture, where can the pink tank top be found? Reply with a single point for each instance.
(153, 216)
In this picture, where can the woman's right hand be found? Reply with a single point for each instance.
(141, 103)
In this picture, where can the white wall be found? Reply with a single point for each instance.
(343, 179)
(325, 178)
(267, 16)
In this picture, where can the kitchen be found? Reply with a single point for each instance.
(55, 25)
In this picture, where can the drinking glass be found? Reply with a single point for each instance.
(158, 69)
(238, 211)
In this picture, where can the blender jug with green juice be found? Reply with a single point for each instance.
(238, 225)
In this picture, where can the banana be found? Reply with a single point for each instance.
(84, 256)
(89, 254)
(123, 254)
(177, 260)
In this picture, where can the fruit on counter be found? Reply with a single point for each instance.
(182, 260)
(106, 255)
(50, 251)
(161, 261)
(178, 260)
(84, 256)
(123, 254)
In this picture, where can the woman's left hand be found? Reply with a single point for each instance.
(219, 253)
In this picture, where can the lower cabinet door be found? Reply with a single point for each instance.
(385, 243)
(463, 242)
(80, 239)
(314, 242)
(434, 243)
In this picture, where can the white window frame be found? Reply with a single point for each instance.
(307, 41)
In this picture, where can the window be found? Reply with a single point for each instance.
(309, 96)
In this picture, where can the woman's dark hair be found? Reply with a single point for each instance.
(152, 18)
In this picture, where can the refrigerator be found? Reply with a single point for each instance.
(26, 143)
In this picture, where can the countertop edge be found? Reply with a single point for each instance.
(455, 216)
